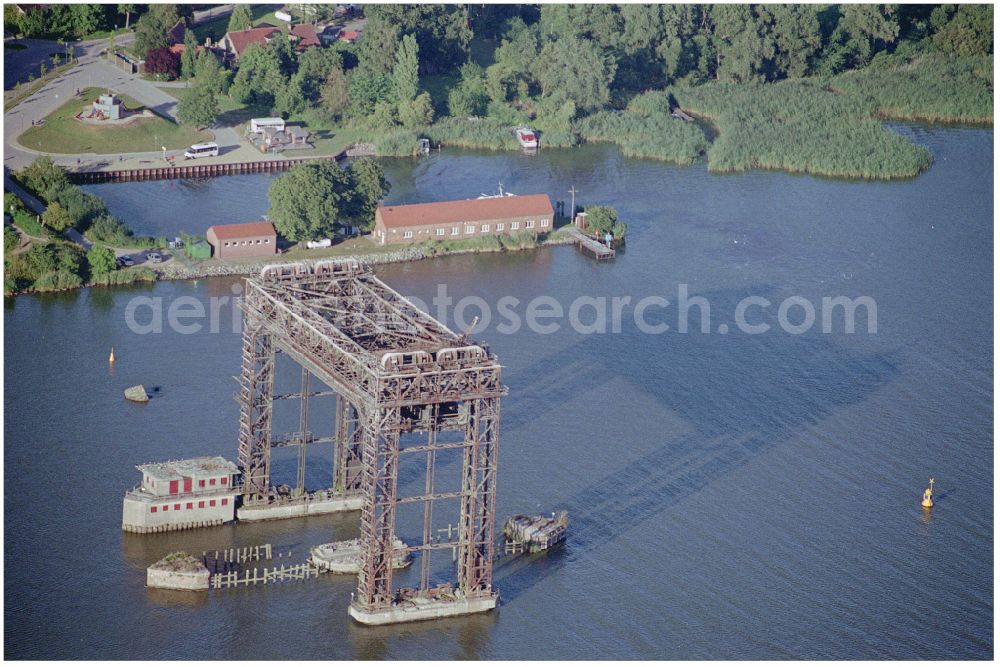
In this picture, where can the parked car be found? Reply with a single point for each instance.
(126, 260)
(155, 257)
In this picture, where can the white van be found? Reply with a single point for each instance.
(202, 150)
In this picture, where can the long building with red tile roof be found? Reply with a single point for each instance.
(462, 219)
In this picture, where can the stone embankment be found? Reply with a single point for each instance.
(180, 271)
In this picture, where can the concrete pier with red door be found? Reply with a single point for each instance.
(175, 495)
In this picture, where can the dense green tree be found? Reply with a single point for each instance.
(11, 239)
(369, 187)
(797, 39)
(376, 50)
(101, 260)
(44, 177)
(208, 71)
(334, 93)
(126, 10)
(87, 18)
(309, 200)
(968, 33)
(200, 107)
(259, 80)
(240, 19)
(744, 43)
(189, 59)
(366, 90)
(151, 29)
(384, 116)
(57, 218)
(442, 33)
(601, 219)
(572, 69)
(511, 75)
(418, 112)
(469, 97)
(314, 66)
(405, 77)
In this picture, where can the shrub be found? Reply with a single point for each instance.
(43, 175)
(163, 62)
(646, 135)
(57, 218)
(126, 276)
(480, 133)
(11, 239)
(57, 280)
(101, 260)
(397, 143)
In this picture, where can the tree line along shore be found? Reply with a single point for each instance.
(312, 200)
(803, 88)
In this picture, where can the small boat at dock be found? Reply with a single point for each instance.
(526, 137)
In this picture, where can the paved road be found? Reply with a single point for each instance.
(91, 71)
(20, 64)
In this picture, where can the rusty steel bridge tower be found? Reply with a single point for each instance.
(398, 375)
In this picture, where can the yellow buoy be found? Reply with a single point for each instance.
(928, 501)
(111, 357)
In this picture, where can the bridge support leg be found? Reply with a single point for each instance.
(300, 483)
(256, 397)
(478, 504)
(380, 448)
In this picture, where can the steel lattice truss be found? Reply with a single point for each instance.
(395, 370)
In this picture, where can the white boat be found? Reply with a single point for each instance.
(499, 193)
(526, 137)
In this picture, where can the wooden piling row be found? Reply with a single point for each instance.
(192, 171)
(300, 572)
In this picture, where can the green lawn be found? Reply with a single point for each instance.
(62, 133)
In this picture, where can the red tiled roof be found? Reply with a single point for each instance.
(306, 33)
(241, 39)
(349, 35)
(243, 230)
(465, 210)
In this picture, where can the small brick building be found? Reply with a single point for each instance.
(463, 219)
(248, 239)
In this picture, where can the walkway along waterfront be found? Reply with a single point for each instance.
(194, 170)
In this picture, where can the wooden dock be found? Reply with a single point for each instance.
(590, 244)
(193, 170)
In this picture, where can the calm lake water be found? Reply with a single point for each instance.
(731, 495)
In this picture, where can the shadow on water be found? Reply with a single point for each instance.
(756, 391)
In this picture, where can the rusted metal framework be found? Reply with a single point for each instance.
(396, 371)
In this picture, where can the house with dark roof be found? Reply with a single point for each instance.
(248, 239)
(463, 219)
